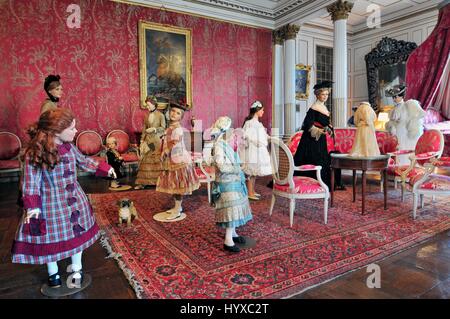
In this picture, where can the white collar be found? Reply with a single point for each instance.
(320, 107)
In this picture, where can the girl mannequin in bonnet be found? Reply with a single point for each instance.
(229, 190)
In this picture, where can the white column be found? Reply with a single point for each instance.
(339, 14)
(278, 112)
(290, 33)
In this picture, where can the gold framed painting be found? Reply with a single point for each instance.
(165, 62)
(302, 76)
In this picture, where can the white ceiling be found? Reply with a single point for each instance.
(275, 13)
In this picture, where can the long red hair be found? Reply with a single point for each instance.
(42, 150)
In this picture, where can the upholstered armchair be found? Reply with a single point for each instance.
(129, 152)
(430, 184)
(429, 146)
(90, 144)
(286, 185)
(9, 152)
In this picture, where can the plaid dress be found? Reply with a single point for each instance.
(65, 210)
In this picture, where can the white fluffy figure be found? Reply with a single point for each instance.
(405, 122)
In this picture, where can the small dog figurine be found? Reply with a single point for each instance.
(126, 210)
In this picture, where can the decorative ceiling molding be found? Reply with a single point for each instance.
(271, 14)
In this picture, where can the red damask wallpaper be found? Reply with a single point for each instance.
(98, 64)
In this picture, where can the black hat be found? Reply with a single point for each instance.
(49, 79)
(397, 90)
(323, 85)
(184, 107)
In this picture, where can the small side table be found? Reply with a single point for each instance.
(373, 163)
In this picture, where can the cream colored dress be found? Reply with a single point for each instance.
(365, 143)
(150, 165)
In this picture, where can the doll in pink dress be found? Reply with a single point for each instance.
(178, 176)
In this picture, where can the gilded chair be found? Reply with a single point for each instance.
(286, 185)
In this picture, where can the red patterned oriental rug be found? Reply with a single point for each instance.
(186, 259)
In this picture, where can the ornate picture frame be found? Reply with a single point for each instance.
(386, 65)
(165, 62)
(302, 79)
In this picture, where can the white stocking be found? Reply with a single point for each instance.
(234, 232)
(76, 264)
(52, 268)
(229, 236)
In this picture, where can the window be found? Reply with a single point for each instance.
(324, 68)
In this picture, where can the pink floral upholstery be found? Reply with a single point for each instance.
(302, 185)
(434, 182)
(398, 170)
(430, 141)
(307, 166)
(9, 164)
(442, 162)
(386, 142)
(344, 138)
(10, 146)
(294, 140)
(89, 143)
(209, 169)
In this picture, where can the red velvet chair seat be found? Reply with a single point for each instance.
(9, 164)
(129, 157)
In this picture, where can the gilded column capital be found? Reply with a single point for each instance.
(277, 37)
(289, 31)
(340, 10)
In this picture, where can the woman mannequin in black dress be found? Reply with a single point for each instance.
(312, 148)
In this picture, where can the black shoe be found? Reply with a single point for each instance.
(54, 282)
(239, 240)
(233, 249)
(339, 188)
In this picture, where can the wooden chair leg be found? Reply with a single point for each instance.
(272, 203)
(403, 190)
(291, 210)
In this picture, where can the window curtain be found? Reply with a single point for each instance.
(426, 64)
(442, 102)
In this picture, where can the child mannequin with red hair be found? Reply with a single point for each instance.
(58, 220)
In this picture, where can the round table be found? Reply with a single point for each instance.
(372, 163)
